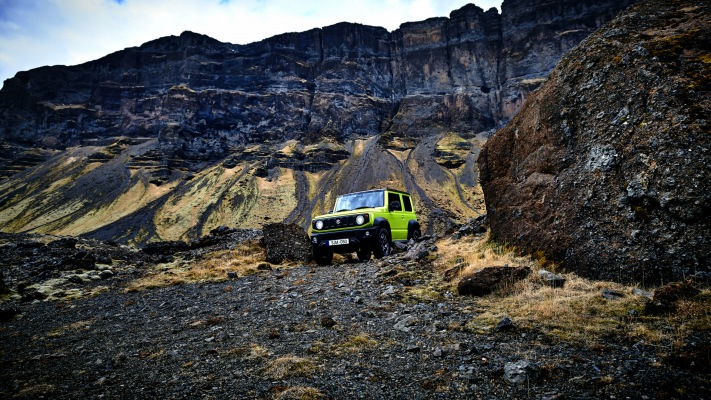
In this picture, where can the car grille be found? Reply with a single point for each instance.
(339, 222)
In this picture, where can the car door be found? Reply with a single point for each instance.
(397, 217)
(409, 212)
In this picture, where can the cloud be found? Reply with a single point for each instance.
(34, 33)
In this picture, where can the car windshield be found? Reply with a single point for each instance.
(355, 201)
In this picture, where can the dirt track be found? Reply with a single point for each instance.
(346, 331)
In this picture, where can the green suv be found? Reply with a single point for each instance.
(364, 222)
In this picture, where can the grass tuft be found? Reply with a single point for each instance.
(289, 366)
(300, 393)
(354, 344)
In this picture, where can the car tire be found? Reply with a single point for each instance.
(322, 257)
(416, 235)
(364, 254)
(382, 246)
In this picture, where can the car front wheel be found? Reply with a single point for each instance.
(363, 254)
(382, 247)
(322, 257)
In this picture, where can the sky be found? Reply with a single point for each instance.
(35, 33)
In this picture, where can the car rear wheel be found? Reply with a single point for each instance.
(382, 246)
(416, 235)
(322, 257)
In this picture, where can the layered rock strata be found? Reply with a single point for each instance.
(183, 134)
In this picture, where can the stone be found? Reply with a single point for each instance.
(389, 291)
(504, 325)
(264, 267)
(520, 372)
(221, 231)
(328, 322)
(165, 247)
(417, 252)
(404, 323)
(491, 279)
(106, 274)
(610, 294)
(65, 243)
(285, 242)
(675, 291)
(475, 226)
(551, 279)
(665, 297)
(32, 295)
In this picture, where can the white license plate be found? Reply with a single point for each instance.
(337, 242)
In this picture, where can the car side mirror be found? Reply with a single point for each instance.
(395, 206)
(329, 212)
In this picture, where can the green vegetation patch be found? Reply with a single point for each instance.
(451, 151)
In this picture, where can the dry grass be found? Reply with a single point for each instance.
(289, 366)
(300, 393)
(79, 325)
(249, 352)
(577, 312)
(476, 254)
(354, 344)
(213, 267)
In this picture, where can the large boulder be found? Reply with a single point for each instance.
(286, 242)
(606, 169)
(491, 279)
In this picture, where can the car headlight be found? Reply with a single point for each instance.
(360, 220)
(319, 225)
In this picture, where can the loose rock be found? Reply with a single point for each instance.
(551, 279)
(610, 294)
(490, 279)
(519, 372)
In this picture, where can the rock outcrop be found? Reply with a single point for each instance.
(606, 168)
(171, 139)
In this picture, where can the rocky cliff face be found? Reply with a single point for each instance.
(606, 168)
(121, 138)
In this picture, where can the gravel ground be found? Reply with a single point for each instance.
(345, 331)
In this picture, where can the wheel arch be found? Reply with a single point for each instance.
(383, 223)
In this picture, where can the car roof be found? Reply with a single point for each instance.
(376, 190)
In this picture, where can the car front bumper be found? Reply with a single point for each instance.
(357, 238)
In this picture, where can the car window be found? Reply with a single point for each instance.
(407, 203)
(359, 200)
(394, 197)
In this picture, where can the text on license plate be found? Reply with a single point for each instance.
(337, 242)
